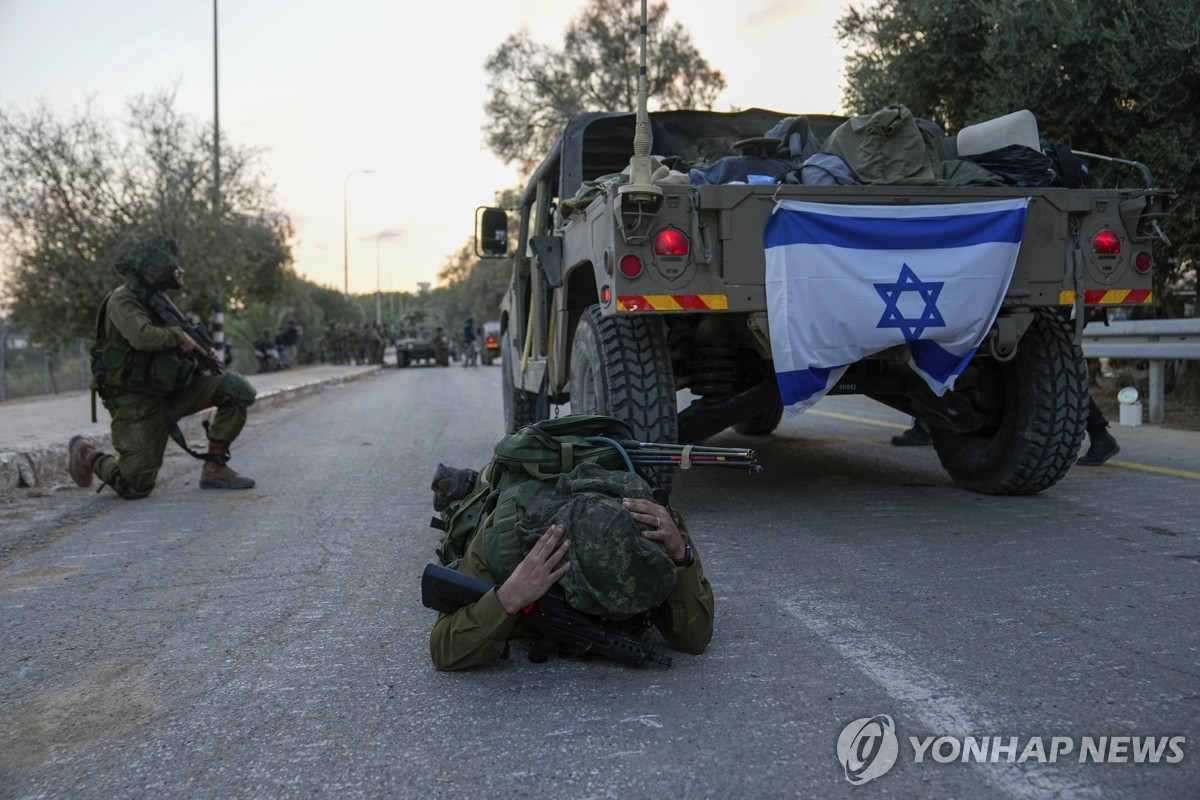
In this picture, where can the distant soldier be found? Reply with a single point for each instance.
(289, 338)
(441, 349)
(374, 344)
(470, 350)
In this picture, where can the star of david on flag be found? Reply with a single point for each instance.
(845, 282)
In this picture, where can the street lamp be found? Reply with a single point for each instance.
(346, 223)
(378, 288)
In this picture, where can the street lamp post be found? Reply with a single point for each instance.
(346, 223)
(219, 311)
(378, 288)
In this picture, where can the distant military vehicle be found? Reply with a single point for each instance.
(490, 347)
(418, 339)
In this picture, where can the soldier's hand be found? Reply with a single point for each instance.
(189, 346)
(661, 522)
(537, 572)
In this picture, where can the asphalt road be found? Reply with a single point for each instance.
(271, 643)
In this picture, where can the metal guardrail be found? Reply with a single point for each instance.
(1154, 340)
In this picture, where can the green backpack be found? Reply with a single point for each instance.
(525, 468)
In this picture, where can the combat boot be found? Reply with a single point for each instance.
(1103, 447)
(220, 476)
(82, 455)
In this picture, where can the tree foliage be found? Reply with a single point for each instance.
(534, 89)
(1116, 77)
(74, 193)
(471, 287)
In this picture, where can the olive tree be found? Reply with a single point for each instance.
(534, 89)
(1116, 77)
(75, 190)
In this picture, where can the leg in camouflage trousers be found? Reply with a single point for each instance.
(139, 435)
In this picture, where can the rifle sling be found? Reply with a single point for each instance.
(177, 436)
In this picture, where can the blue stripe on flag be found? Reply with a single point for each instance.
(799, 385)
(937, 362)
(904, 233)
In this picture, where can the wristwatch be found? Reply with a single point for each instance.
(688, 558)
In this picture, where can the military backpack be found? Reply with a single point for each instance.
(525, 467)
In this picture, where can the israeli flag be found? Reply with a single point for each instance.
(846, 281)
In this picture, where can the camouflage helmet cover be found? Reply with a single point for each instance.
(615, 571)
(151, 261)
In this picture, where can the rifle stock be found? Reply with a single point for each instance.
(447, 590)
(170, 316)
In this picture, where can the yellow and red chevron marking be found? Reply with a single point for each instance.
(1108, 297)
(672, 302)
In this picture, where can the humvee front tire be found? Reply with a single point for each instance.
(620, 368)
(1037, 406)
(520, 406)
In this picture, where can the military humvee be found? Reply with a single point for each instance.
(624, 293)
(416, 339)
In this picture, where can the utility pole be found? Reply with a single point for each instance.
(219, 312)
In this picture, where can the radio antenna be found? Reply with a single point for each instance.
(640, 189)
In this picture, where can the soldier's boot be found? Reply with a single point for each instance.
(220, 476)
(82, 456)
(1103, 447)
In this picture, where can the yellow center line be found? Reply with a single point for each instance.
(864, 420)
(1176, 473)
(878, 423)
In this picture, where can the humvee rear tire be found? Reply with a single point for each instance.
(1038, 402)
(620, 367)
(763, 422)
(520, 406)
(401, 360)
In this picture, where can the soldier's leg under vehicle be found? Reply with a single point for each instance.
(519, 405)
(620, 367)
(1036, 405)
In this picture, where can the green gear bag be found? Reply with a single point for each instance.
(525, 466)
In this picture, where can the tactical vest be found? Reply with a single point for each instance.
(119, 370)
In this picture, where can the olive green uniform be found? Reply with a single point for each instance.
(139, 429)
(478, 634)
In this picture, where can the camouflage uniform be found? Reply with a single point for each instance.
(375, 345)
(441, 350)
(139, 427)
(478, 634)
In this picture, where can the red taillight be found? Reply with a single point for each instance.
(1106, 243)
(671, 242)
(1142, 262)
(605, 294)
(491, 340)
(631, 265)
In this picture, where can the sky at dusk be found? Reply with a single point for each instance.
(324, 89)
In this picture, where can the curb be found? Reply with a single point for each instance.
(31, 468)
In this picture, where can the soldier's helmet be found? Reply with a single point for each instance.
(615, 571)
(152, 262)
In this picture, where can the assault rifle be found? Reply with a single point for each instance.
(171, 316)
(562, 627)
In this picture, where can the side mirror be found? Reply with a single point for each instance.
(491, 232)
